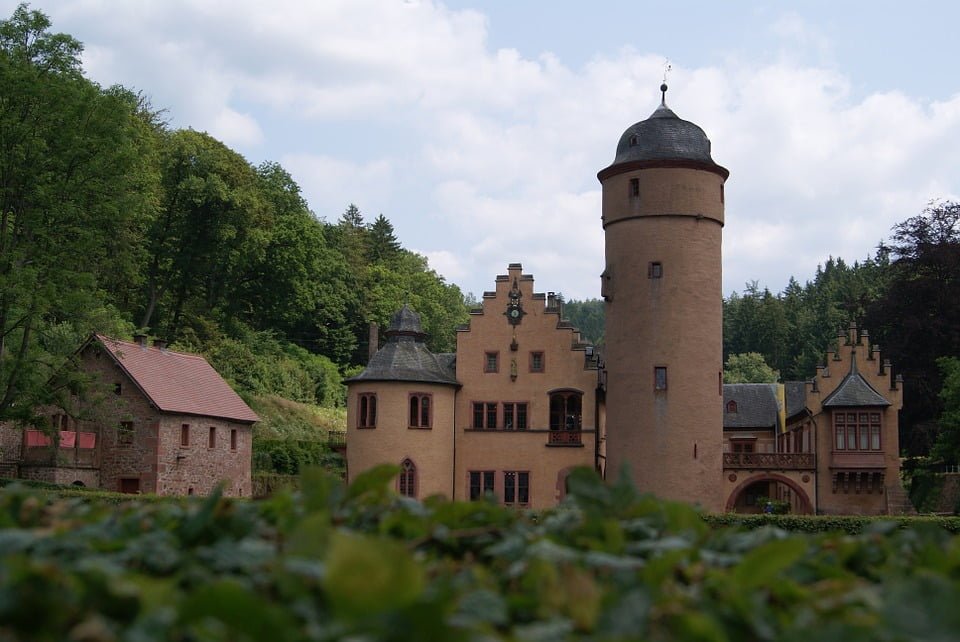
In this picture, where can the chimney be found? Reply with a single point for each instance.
(374, 340)
(140, 340)
(551, 300)
(160, 344)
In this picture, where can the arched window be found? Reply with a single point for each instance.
(566, 410)
(731, 407)
(420, 410)
(407, 482)
(367, 415)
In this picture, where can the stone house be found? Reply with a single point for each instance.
(154, 421)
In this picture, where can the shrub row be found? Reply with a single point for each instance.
(849, 524)
(361, 563)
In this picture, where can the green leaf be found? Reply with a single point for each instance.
(762, 565)
(367, 575)
(242, 614)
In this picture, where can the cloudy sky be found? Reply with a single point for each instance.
(478, 128)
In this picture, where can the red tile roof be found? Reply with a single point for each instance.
(178, 382)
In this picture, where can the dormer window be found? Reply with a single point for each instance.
(731, 407)
(634, 140)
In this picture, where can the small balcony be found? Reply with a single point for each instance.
(770, 461)
(565, 438)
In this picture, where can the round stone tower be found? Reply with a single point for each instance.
(662, 221)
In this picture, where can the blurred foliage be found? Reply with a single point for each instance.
(947, 446)
(331, 562)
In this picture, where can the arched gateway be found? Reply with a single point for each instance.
(749, 495)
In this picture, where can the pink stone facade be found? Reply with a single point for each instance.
(139, 448)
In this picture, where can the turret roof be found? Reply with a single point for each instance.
(406, 357)
(665, 137)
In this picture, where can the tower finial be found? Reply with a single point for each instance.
(663, 86)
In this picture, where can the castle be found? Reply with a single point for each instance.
(523, 400)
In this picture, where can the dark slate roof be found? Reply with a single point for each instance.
(796, 397)
(664, 137)
(405, 356)
(854, 391)
(405, 321)
(178, 382)
(756, 405)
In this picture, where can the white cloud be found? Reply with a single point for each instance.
(483, 156)
(329, 185)
(236, 129)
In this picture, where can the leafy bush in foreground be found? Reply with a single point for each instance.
(361, 563)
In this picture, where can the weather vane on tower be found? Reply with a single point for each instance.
(663, 86)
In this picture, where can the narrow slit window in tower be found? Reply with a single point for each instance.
(655, 270)
(660, 378)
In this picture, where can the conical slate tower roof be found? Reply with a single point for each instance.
(405, 356)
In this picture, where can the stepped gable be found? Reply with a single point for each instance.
(177, 382)
(405, 356)
(854, 391)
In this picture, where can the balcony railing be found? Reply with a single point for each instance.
(565, 437)
(337, 439)
(771, 461)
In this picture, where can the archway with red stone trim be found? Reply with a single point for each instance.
(805, 506)
(561, 487)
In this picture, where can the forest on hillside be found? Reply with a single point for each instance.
(112, 221)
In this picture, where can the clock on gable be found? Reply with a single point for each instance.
(514, 311)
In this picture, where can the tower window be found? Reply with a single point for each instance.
(420, 410)
(655, 270)
(660, 378)
(185, 435)
(634, 187)
(367, 415)
(721, 193)
(491, 361)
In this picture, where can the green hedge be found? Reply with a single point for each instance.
(361, 563)
(849, 524)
